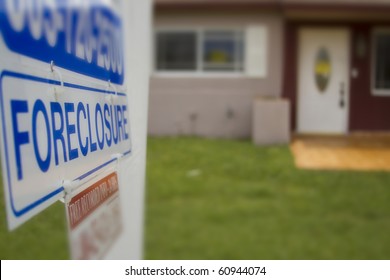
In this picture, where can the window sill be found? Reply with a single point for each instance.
(163, 74)
(380, 93)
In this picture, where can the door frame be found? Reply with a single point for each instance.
(348, 80)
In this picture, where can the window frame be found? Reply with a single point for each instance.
(239, 51)
(199, 72)
(376, 91)
(155, 50)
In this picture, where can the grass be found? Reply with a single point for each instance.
(213, 199)
(42, 237)
(219, 199)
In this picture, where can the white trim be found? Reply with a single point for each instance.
(375, 91)
(197, 74)
(198, 28)
(256, 51)
(380, 92)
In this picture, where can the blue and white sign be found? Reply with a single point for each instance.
(83, 36)
(60, 123)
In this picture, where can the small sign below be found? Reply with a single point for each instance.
(94, 218)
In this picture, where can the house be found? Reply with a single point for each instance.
(318, 66)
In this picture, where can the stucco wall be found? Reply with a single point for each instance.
(214, 106)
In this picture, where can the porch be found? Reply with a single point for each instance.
(356, 151)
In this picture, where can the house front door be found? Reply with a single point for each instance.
(323, 82)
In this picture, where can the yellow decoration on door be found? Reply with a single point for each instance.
(322, 69)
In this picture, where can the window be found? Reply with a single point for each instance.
(201, 50)
(176, 51)
(381, 75)
(223, 51)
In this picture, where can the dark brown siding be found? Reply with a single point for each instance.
(367, 112)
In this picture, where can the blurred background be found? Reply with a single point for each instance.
(298, 91)
(269, 134)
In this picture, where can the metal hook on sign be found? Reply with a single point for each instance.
(117, 157)
(111, 97)
(69, 187)
(56, 73)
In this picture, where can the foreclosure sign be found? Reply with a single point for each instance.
(63, 110)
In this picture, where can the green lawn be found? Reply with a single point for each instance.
(43, 237)
(219, 199)
(248, 202)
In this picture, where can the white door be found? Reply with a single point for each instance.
(323, 82)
